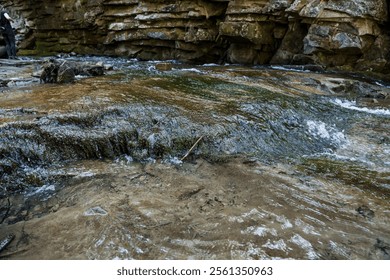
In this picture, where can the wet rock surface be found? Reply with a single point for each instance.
(288, 164)
(197, 210)
(16, 73)
(63, 72)
(344, 34)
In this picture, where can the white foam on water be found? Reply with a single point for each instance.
(126, 159)
(340, 157)
(320, 129)
(95, 211)
(315, 220)
(85, 174)
(351, 105)
(123, 250)
(152, 140)
(43, 190)
(259, 231)
(100, 241)
(236, 219)
(381, 84)
(306, 228)
(284, 221)
(305, 245)
(277, 245)
(287, 224)
(339, 249)
(191, 70)
(173, 160)
(362, 152)
(252, 250)
(254, 214)
(284, 68)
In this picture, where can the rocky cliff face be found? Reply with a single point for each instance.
(327, 32)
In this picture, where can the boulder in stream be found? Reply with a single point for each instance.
(56, 71)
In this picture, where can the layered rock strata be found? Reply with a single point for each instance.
(327, 32)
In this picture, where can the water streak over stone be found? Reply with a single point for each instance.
(285, 167)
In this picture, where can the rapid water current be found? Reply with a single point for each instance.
(162, 160)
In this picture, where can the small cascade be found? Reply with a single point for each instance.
(267, 162)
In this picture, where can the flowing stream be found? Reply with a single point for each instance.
(288, 163)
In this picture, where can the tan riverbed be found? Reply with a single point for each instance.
(236, 196)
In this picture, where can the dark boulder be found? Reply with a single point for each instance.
(3, 52)
(66, 74)
(55, 71)
(50, 71)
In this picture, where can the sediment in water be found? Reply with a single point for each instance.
(267, 134)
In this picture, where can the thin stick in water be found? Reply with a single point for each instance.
(193, 147)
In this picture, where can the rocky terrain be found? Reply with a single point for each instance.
(333, 33)
(126, 157)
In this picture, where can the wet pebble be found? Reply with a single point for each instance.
(365, 212)
(95, 211)
(55, 208)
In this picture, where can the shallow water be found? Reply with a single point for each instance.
(290, 165)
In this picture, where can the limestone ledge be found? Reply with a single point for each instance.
(327, 32)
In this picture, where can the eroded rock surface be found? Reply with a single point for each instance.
(331, 33)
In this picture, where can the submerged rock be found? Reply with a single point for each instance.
(383, 247)
(365, 212)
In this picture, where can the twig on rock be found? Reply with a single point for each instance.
(193, 147)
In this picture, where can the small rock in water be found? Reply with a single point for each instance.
(383, 247)
(95, 211)
(365, 212)
(164, 66)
